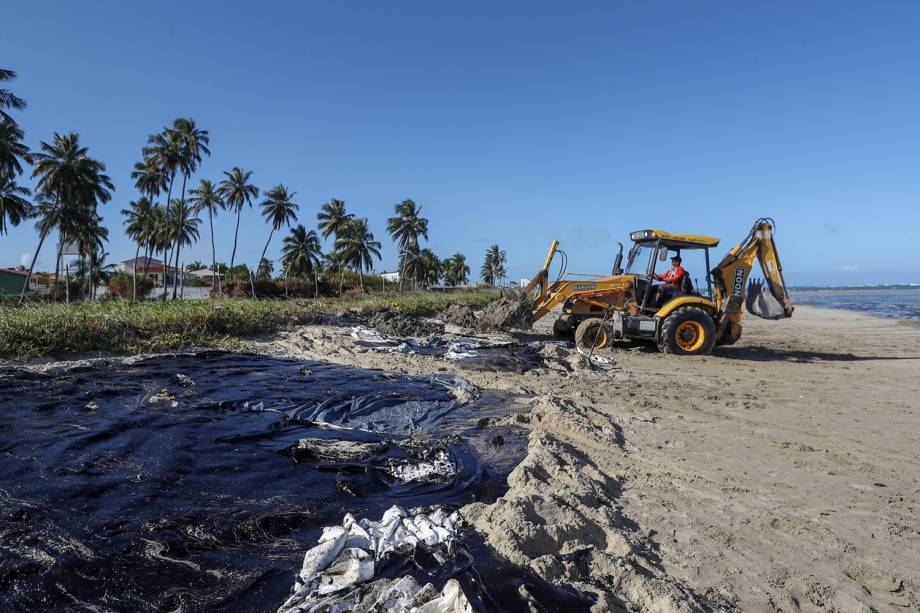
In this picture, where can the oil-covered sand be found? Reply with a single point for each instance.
(782, 473)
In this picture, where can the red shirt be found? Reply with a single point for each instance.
(674, 275)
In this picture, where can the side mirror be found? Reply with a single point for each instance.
(662, 254)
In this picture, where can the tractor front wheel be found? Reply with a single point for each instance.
(687, 331)
(590, 334)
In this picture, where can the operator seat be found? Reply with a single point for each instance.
(686, 284)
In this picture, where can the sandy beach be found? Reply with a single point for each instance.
(779, 474)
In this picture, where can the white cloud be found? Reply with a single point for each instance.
(849, 268)
(25, 259)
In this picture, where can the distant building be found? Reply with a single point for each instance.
(154, 268)
(11, 280)
(391, 277)
(203, 274)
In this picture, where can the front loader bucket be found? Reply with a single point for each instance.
(761, 302)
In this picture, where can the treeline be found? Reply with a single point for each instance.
(166, 218)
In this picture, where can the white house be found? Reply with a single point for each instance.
(390, 277)
(203, 274)
(153, 267)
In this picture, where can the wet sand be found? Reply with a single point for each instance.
(782, 473)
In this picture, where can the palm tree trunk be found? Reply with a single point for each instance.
(402, 269)
(236, 235)
(361, 280)
(213, 256)
(264, 250)
(137, 252)
(92, 282)
(286, 295)
(178, 247)
(315, 284)
(166, 238)
(41, 241)
(57, 264)
(178, 272)
(252, 284)
(148, 251)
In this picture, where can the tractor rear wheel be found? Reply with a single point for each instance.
(687, 331)
(591, 334)
(562, 328)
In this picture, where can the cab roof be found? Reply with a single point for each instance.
(687, 241)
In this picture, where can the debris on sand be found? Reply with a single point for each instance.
(459, 314)
(333, 450)
(399, 324)
(508, 312)
(438, 466)
(349, 555)
(163, 396)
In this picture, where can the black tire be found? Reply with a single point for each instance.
(562, 328)
(687, 331)
(590, 333)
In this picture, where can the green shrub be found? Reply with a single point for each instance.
(121, 284)
(122, 326)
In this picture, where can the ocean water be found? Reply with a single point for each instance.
(897, 303)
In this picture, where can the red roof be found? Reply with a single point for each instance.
(16, 271)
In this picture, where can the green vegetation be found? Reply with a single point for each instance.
(125, 327)
(166, 218)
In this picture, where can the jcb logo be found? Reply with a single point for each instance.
(739, 282)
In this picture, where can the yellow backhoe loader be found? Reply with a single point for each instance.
(627, 304)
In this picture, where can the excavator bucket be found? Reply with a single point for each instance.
(761, 302)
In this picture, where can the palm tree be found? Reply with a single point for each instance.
(301, 253)
(357, 247)
(456, 271)
(183, 232)
(429, 268)
(7, 99)
(137, 228)
(90, 236)
(493, 268)
(278, 208)
(165, 149)
(206, 197)
(14, 208)
(68, 179)
(193, 142)
(237, 191)
(149, 179)
(265, 269)
(332, 217)
(12, 150)
(405, 228)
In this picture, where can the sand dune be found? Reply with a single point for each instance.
(782, 473)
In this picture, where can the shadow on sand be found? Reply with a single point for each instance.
(766, 354)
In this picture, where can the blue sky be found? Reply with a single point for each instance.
(513, 123)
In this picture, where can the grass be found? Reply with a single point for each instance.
(123, 327)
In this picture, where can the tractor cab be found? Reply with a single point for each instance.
(650, 254)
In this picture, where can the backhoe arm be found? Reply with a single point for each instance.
(541, 281)
(768, 300)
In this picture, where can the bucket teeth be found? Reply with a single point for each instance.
(761, 302)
